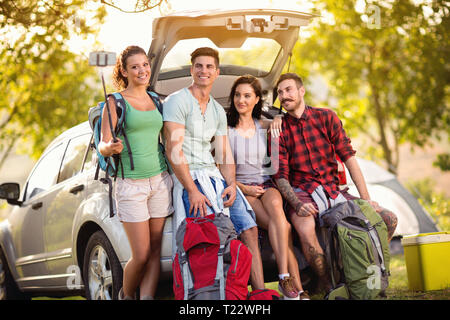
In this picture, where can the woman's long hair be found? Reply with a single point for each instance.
(232, 114)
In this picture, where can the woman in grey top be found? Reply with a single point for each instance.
(248, 140)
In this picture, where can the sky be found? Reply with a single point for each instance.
(123, 29)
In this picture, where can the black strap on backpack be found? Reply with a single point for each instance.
(159, 105)
(120, 102)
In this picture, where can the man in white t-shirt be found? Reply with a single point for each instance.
(192, 118)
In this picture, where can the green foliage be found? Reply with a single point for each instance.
(385, 62)
(45, 87)
(436, 203)
(443, 162)
(137, 6)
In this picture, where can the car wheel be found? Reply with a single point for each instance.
(102, 270)
(8, 287)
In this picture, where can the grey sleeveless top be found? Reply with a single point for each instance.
(249, 155)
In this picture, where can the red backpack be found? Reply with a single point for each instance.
(210, 263)
(263, 294)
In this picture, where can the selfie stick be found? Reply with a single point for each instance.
(107, 108)
(102, 59)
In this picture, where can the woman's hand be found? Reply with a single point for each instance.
(109, 148)
(254, 191)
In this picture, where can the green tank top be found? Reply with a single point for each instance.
(142, 130)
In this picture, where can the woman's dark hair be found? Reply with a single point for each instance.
(119, 81)
(232, 114)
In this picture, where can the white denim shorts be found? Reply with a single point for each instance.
(138, 200)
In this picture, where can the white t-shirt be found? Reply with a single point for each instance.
(183, 108)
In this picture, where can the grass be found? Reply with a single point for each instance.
(398, 287)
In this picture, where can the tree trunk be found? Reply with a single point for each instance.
(380, 119)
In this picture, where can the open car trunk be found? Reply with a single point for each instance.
(257, 42)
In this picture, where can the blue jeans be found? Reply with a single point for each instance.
(241, 218)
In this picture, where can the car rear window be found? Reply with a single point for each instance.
(256, 56)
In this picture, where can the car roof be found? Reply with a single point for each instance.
(194, 14)
(80, 129)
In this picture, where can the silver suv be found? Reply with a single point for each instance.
(59, 237)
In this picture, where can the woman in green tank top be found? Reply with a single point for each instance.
(144, 195)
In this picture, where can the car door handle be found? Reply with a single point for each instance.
(77, 189)
(36, 205)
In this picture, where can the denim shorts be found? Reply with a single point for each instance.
(241, 218)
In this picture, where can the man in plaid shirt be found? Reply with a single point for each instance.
(310, 140)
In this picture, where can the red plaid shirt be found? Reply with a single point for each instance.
(308, 148)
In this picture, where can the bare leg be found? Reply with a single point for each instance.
(139, 238)
(250, 238)
(305, 227)
(150, 279)
(389, 218)
(278, 227)
(293, 268)
(279, 232)
(263, 220)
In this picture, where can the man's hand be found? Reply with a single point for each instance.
(198, 203)
(275, 126)
(306, 209)
(229, 192)
(375, 205)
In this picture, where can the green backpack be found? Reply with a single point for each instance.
(357, 249)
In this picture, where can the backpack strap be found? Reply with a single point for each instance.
(376, 240)
(372, 231)
(156, 100)
(159, 105)
(97, 170)
(219, 272)
(120, 103)
(107, 180)
(188, 283)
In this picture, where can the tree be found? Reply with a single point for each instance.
(137, 6)
(45, 87)
(386, 63)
